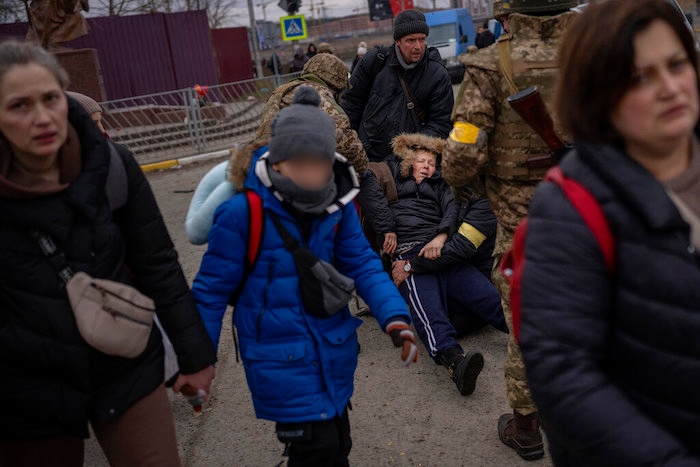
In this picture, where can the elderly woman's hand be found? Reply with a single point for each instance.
(399, 273)
(390, 242)
(433, 250)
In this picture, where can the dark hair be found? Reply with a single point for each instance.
(13, 53)
(596, 61)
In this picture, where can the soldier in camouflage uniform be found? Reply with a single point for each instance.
(490, 141)
(328, 75)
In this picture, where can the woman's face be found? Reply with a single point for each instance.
(661, 106)
(33, 111)
(423, 166)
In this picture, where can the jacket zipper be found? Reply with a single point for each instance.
(104, 291)
(264, 303)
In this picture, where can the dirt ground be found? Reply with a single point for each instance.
(402, 416)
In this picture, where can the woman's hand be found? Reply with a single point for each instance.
(398, 272)
(200, 380)
(433, 250)
(390, 242)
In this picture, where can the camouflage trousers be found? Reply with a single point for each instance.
(518, 391)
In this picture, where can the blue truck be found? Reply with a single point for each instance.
(451, 32)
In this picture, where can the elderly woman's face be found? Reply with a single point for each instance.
(423, 166)
(33, 111)
(661, 107)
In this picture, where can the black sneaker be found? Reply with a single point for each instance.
(465, 371)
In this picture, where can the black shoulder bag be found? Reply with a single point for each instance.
(324, 291)
(412, 105)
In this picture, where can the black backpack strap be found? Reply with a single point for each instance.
(117, 185)
(290, 243)
(377, 64)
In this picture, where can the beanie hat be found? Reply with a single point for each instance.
(410, 22)
(87, 103)
(302, 129)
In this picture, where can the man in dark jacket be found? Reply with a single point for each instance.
(484, 37)
(399, 89)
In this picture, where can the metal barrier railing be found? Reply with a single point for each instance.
(185, 122)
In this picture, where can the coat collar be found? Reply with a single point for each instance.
(635, 186)
(259, 181)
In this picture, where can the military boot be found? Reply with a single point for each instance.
(463, 369)
(522, 433)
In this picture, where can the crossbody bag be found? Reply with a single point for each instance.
(112, 317)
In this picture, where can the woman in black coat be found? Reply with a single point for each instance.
(54, 164)
(612, 356)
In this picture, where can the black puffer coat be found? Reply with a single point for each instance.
(476, 214)
(376, 105)
(52, 382)
(613, 364)
(422, 211)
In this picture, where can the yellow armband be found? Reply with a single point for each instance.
(472, 234)
(464, 133)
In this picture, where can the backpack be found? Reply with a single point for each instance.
(587, 206)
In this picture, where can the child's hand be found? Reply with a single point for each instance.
(199, 380)
(402, 336)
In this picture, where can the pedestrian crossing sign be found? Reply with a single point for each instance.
(293, 27)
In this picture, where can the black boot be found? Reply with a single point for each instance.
(522, 433)
(463, 369)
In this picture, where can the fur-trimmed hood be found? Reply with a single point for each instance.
(240, 162)
(406, 145)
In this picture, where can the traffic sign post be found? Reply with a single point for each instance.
(293, 28)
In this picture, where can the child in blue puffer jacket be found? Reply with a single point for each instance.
(299, 367)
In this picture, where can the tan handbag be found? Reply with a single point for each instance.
(112, 317)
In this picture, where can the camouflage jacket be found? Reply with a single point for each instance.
(489, 138)
(349, 144)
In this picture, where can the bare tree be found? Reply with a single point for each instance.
(115, 7)
(219, 12)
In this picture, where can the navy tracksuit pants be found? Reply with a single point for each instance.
(450, 304)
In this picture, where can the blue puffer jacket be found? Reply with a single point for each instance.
(299, 368)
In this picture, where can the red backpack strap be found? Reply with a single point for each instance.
(256, 222)
(256, 219)
(588, 207)
(512, 266)
(513, 262)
